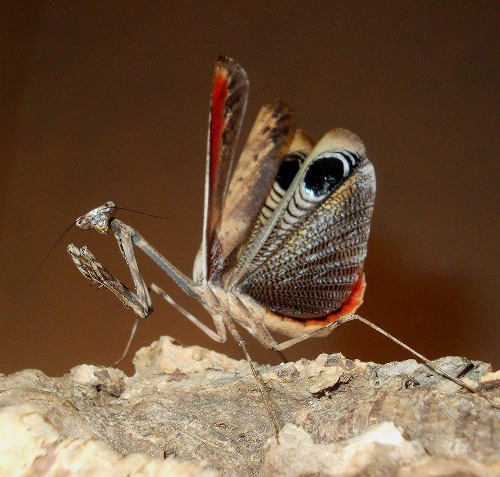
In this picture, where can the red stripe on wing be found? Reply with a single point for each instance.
(220, 93)
(353, 302)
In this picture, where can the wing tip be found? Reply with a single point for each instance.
(231, 66)
(301, 141)
(340, 138)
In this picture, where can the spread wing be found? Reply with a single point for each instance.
(227, 107)
(309, 253)
(255, 172)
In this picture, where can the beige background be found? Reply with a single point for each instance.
(109, 101)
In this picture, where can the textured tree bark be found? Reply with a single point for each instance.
(190, 411)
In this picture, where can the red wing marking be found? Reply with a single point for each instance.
(228, 102)
(220, 93)
(296, 327)
(353, 302)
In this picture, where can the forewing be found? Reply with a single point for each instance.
(310, 253)
(255, 172)
(227, 107)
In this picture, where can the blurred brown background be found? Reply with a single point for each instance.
(109, 100)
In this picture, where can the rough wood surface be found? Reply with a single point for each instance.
(190, 411)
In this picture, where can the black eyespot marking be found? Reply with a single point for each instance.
(323, 175)
(288, 169)
(327, 172)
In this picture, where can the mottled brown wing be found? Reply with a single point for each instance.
(227, 107)
(255, 172)
(308, 256)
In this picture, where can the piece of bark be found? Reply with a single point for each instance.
(191, 411)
